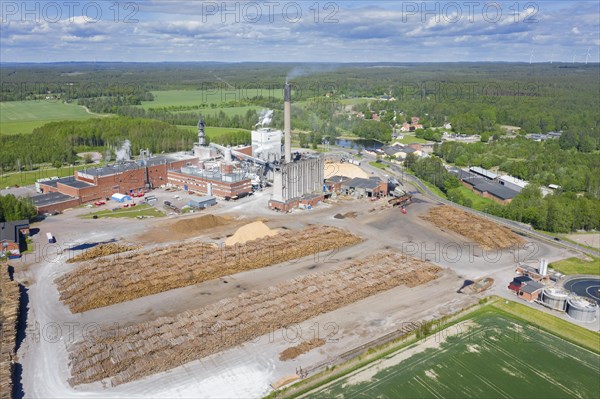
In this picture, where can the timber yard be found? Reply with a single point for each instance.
(271, 269)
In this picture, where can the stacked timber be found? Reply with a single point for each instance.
(9, 315)
(147, 348)
(107, 281)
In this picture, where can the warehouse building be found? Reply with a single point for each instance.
(54, 202)
(365, 188)
(512, 182)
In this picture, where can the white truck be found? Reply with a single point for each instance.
(51, 238)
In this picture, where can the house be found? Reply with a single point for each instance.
(12, 237)
(447, 126)
(414, 120)
(360, 187)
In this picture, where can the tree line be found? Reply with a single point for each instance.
(13, 208)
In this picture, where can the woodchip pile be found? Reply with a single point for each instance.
(105, 281)
(151, 347)
(250, 232)
(102, 250)
(295, 351)
(9, 313)
(487, 234)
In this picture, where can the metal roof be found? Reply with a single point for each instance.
(50, 198)
(483, 172)
(359, 182)
(531, 286)
(497, 190)
(9, 231)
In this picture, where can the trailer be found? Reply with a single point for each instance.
(51, 238)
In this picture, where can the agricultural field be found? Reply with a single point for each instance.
(24, 116)
(489, 355)
(168, 98)
(229, 111)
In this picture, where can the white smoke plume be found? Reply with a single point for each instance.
(309, 69)
(265, 117)
(124, 153)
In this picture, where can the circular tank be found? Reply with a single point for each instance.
(582, 309)
(555, 298)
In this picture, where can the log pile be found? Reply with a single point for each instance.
(295, 351)
(9, 314)
(151, 347)
(102, 250)
(106, 281)
(487, 234)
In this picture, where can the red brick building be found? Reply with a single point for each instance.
(97, 183)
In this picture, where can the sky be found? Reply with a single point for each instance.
(299, 31)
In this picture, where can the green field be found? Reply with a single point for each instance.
(24, 116)
(378, 165)
(577, 266)
(479, 203)
(408, 139)
(168, 98)
(27, 178)
(139, 210)
(489, 355)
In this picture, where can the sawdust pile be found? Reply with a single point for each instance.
(250, 232)
(487, 234)
(151, 347)
(9, 314)
(295, 351)
(347, 215)
(199, 223)
(102, 250)
(107, 281)
(344, 169)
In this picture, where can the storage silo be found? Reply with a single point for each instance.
(555, 298)
(582, 309)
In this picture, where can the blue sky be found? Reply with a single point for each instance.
(280, 30)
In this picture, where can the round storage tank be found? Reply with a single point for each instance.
(555, 298)
(582, 309)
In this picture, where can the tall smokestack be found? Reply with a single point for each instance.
(287, 122)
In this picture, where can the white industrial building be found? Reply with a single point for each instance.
(513, 182)
(266, 144)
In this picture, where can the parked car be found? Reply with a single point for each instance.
(99, 203)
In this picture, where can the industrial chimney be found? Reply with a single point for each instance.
(287, 122)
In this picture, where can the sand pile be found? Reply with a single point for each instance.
(250, 232)
(143, 349)
(487, 234)
(102, 250)
(295, 351)
(106, 281)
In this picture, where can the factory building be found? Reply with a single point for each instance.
(210, 182)
(266, 144)
(365, 188)
(299, 182)
(99, 183)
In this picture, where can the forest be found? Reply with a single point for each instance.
(13, 208)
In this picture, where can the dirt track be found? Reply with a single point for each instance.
(486, 234)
